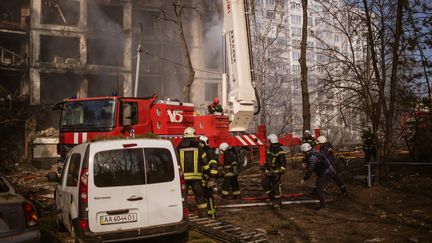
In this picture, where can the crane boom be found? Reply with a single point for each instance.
(241, 94)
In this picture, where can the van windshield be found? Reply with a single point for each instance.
(88, 115)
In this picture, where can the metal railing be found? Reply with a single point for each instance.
(8, 57)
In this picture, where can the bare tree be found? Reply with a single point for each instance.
(179, 7)
(304, 69)
(269, 41)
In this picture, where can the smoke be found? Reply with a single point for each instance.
(106, 38)
(213, 42)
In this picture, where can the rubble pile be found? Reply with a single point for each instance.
(33, 184)
(49, 132)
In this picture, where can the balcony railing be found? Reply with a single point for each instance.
(10, 58)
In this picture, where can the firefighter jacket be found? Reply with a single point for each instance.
(318, 163)
(275, 163)
(368, 139)
(309, 139)
(192, 159)
(212, 108)
(230, 166)
(210, 169)
(328, 151)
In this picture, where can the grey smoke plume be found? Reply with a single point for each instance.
(213, 42)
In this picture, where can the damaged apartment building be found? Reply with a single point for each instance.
(55, 49)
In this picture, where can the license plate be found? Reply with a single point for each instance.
(118, 219)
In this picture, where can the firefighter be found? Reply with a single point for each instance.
(273, 169)
(307, 138)
(326, 148)
(318, 163)
(369, 147)
(192, 160)
(230, 171)
(210, 171)
(215, 107)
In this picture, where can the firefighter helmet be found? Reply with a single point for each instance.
(366, 129)
(305, 147)
(306, 132)
(216, 101)
(204, 139)
(223, 146)
(321, 139)
(273, 138)
(189, 132)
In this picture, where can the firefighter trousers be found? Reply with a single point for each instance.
(322, 182)
(211, 209)
(272, 187)
(230, 185)
(198, 192)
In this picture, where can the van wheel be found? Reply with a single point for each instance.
(180, 238)
(244, 158)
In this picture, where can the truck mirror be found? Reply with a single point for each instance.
(53, 177)
(126, 114)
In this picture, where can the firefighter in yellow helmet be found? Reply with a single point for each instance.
(273, 168)
(210, 171)
(192, 160)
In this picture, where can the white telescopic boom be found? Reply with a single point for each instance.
(242, 95)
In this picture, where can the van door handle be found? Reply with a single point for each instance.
(122, 211)
(135, 198)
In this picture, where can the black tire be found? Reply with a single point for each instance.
(245, 160)
(179, 238)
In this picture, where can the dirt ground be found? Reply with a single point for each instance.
(399, 209)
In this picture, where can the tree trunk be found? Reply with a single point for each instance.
(373, 55)
(187, 86)
(395, 62)
(303, 68)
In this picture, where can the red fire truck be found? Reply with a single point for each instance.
(86, 119)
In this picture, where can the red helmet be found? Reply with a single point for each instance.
(216, 101)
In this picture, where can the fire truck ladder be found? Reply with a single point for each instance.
(225, 232)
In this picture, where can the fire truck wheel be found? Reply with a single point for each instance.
(244, 158)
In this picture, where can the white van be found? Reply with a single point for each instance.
(122, 190)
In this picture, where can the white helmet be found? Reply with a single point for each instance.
(223, 146)
(306, 132)
(305, 147)
(321, 139)
(204, 139)
(273, 138)
(189, 132)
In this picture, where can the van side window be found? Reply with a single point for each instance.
(159, 165)
(121, 167)
(73, 170)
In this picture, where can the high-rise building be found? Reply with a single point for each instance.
(277, 37)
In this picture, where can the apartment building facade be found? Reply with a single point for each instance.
(51, 50)
(280, 24)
